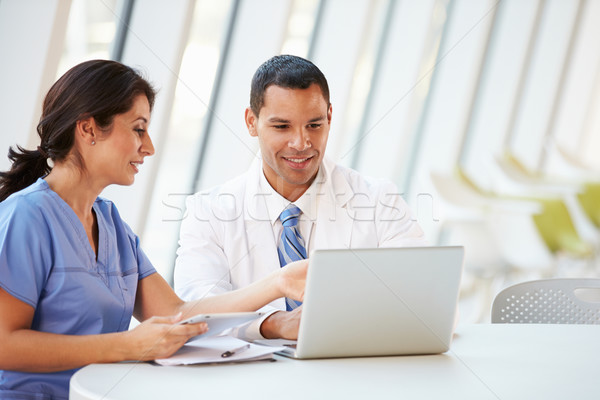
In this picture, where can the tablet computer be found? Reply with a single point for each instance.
(219, 322)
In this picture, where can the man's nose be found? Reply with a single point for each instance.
(300, 140)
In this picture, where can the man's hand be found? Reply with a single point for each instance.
(282, 325)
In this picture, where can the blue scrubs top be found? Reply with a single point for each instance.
(47, 262)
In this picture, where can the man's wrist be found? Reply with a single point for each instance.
(270, 327)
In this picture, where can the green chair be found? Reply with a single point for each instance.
(589, 200)
(553, 222)
(558, 232)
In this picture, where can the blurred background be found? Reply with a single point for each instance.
(484, 113)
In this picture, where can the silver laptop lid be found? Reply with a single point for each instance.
(369, 302)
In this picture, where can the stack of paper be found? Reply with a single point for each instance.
(213, 349)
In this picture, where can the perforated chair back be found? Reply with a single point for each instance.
(549, 301)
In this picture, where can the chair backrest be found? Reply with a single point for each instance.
(556, 228)
(589, 200)
(549, 301)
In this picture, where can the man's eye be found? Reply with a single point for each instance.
(280, 126)
(314, 126)
(140, 131)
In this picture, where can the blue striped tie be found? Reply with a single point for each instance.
(291, 245)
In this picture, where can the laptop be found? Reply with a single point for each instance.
(378, 302)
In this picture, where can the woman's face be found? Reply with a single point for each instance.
(118, 154)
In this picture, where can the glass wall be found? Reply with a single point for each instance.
(186, 134)
(482, 112)
(91, 31)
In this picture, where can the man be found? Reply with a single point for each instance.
(289, 203)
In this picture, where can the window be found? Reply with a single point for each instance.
(91, 31)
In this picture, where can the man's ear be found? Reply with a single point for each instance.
(85, 130)
(251, 122)
(329, 114)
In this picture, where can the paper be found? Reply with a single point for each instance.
(209, 350)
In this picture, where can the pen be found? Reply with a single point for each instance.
(238, 350)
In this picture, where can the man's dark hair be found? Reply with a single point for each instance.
(286, 71)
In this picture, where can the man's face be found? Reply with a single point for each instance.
(292, 131)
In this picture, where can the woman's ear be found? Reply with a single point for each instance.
(85, 131)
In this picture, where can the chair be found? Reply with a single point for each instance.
(580, 200)
(549, 301)
(589, 200)
(543, 220)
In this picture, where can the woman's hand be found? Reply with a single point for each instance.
(160, 337)
(292, 279)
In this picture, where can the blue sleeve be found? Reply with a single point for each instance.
(144, 265)
(25, 258)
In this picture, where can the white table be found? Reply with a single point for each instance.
(486, 361)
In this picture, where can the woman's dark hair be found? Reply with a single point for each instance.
(290, 72)
(100, 89)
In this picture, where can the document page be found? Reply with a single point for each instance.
(218, 349)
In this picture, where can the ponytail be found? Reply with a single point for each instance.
(27, 167)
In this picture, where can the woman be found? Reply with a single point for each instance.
(72, 273)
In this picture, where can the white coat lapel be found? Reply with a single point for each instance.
(259, 232)
(334, 223)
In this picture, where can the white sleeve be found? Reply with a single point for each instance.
(251, 330)
(396, 224)
(201, 268)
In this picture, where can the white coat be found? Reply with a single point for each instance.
(227, 240)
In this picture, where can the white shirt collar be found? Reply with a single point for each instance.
(308, 202)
